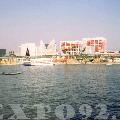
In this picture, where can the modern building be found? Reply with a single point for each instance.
(40, 50)
(71, 47)
(51, 48)
(85, 46)
(94, 45)
(2, 52)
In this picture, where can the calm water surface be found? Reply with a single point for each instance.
(62, 84)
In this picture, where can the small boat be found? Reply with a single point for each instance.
(42, 61)
(27, 63)
(17, 73)
(38, 62)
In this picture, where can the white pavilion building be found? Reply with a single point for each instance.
(38, 50)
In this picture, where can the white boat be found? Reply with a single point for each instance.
(27, 63)
(42, 61)
(39, 61)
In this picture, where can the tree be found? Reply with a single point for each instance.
(27, 53)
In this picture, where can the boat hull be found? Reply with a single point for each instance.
(11, 73)
(38, 62)
(27, 63)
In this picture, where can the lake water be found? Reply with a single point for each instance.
(74, 85)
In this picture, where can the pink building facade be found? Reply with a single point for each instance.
(85, 46)
(95, 45)
(71, 47)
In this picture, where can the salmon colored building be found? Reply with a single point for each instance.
(98, 44)
(70, 47)
(86, 46)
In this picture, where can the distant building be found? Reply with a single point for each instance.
(71, 47)
(94, 45)
(32, 49)
(51, 48)
(41, 49)
(2, 52)
(85, 46)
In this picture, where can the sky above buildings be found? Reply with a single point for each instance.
(34, 20)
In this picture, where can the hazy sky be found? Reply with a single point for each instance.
(34, 20)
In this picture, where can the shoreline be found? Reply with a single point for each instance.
(60, 61)
(107, 63)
